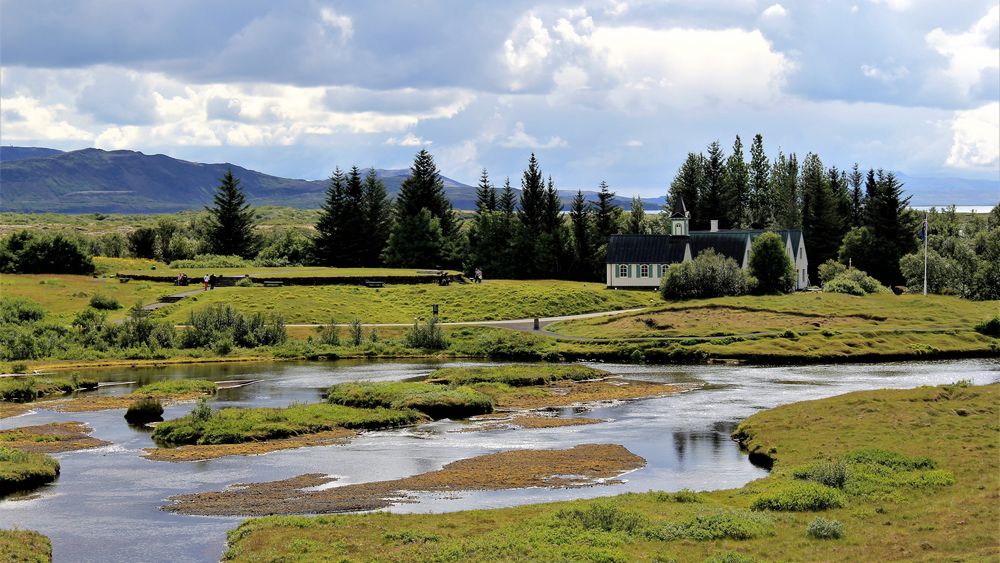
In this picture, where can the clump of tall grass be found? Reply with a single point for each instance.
(143, 410)
(800, 497)
(21, 471)
(515, 375)
(103, 302)
(435, 401)
(219, 323)
(727, 524)
(823, 529)
(427, 337)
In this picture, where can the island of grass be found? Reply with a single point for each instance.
(23, 471)
(867, 476)
(22, 389)
(50, 438)
(25, 546)
(454, 393)
(170, 390)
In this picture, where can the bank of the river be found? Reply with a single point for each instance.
(873, 475)
(25, 546)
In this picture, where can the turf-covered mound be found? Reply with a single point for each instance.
(22, 471)
(436, 401)
(515, 375)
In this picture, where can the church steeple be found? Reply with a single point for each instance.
(679, 221)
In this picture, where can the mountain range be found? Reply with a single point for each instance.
(37, 179)
(34, 179)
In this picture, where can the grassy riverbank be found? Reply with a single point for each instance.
(902, 474)
(25, 546)
(22, 471)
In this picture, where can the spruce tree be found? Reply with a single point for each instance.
(857, 197)
(231, 225)
(636, 224)
(583, 256)
(552, 210)
(761, 200)
(378, 219)
(486, 198)
(507, 202)
(737, 188)
(688, 185)
(784, 182)
(353, 232)
(893, 225)
(606, 214)
(326, 243)
(422, 239)
(711, 203)
(821, 225)
(532, 197)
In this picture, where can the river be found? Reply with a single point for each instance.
(105, 504)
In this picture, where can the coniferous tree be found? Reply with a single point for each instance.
(893, 225)
(580, 212)
(606, 214)
(636, 223)
(419, 239)
(507, 202)
(378, 219)
(486, 198)
(353, 228)
(784, 180)
(551, 216)
(711, 203)
(761, 201)
(532, 198)
(857, 196)
(821, 225)
(231, 225)
(327, 242)
(687, 185)
(736, 188)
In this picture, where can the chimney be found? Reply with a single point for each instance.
(715, 226)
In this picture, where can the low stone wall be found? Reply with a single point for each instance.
(323, 280)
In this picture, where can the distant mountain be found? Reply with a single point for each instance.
(90, 180)
(950, 191)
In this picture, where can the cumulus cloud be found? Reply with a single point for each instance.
(774, 12)
(971, 52)
(342, 24)
(521, 139)
(409, 140)
(34, 120)
(976, 138)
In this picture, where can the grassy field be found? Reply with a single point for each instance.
(63, 296)
(869, 476)
(288, 272)
(492, 300)
(25, 546)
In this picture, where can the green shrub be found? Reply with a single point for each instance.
(515, 375)
(799, 497)
(730, 524)
(854, 282)
(17, 389)
(222, 327)
(201, 412)
(823, 529)
(990, 327)
(329, 334)
(605, 517)
(770, 264)
(211, 261)
(357, 332)
(435, 401)
(406, 537)
(428, 337)
(18, 310)
(830, 269)
(875, 456)
(843, 285)
(245, 281)
(144, 410)
(829, 474)
(104, 302)
(708, 275)
(26, 252)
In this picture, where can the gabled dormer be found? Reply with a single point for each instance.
(679, 222)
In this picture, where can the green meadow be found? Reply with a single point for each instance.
(868, 476)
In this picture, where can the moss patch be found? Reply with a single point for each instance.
(25, 546)
(198, 453)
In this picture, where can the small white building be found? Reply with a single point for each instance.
(639, 261)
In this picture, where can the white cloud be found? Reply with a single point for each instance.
(616, 8)
(342, 24)
(521, 139)
(409, 140)
(633, 143)
(460, 159)
(885, 75)
(37, 121)
(969, 53)
(525, 49)
(774, 12)
(895, 5)
(976, 138)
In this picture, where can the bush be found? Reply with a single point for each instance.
(799, 497)
(357, 332)
(329, 334)
(21, 471)
(245, 281)
(990, 327)
(770, 264)
(730, 524)
(146, 409)
(823, 529)
(25, 252)
(222, 327)
(604, 517)
(708, 275)
(211, 261)
(201, 411)
(515, 375)
(854, 282)
(829, 474)
(104, 302)
(18, 310)
(829, 270)
(435, 401)
(429, 337)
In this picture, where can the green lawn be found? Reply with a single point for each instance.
(63, 296)
(492, 300)
(903, 474)
(287, 272)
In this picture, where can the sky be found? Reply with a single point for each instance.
(613, 90)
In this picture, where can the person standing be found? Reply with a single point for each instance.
(205, 281)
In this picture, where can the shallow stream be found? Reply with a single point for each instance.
(105, 505)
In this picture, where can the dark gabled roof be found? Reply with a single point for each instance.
(727, 243)
(645, 249)
(786, 234)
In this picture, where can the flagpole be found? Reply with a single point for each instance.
(926, 236)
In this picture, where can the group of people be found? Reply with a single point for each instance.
(182, 279)
(209, 281)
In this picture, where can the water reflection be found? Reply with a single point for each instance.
(104, 506)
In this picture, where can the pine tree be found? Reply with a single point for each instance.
(784, 182)
(352, 228)
(736, 188)
(761, 203)
(580, 216)
(711, 204)
(606, 214)
(857, 197)
(231, 225)
(821, 225)
(486, 199)
(507, 202)
(326, 243)
(378, 219)
(532, 198)
(412, 242)
(636, 224)
(687, 185)
(893, 225)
